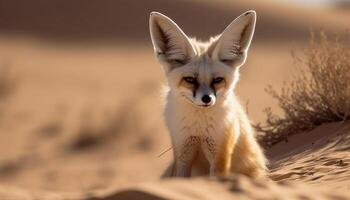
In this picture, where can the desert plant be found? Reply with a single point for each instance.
(318, 93)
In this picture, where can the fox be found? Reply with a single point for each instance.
(210, 131)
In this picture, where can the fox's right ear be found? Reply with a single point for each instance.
(171, 45)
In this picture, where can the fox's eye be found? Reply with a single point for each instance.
(190, 80)
(217, 80)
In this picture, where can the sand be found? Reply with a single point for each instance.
(311, 165)
(84, 119)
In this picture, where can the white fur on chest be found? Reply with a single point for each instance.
(211, 125)
(195, 122)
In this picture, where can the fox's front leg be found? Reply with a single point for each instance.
(185, 154)
(221, 151)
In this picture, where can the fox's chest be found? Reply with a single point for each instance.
(199, 125)
(206, 133)
(204, 125)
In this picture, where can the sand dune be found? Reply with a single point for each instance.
(322, 157)
(311, 165)
(318, 158)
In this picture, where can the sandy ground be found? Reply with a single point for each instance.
(85, 120)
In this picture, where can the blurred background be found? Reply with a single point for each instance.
(80, 101)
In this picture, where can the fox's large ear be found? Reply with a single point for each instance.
(171, 45)
(232, 46)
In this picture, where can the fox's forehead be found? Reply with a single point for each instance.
(204, 69)
(202, 65)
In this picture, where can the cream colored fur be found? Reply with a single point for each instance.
(213, 137)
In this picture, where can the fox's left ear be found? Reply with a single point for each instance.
(232, 46)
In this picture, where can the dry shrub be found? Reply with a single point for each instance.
(318, 93)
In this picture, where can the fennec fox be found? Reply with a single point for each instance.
(210, 131)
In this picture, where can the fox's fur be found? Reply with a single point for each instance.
(210, 131)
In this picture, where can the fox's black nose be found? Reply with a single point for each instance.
(206, 99)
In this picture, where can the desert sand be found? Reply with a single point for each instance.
(84, 120)
(311, 165)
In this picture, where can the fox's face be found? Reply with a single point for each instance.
(202, 74)
(202, 81)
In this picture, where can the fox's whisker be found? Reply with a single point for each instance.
(164, 152)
